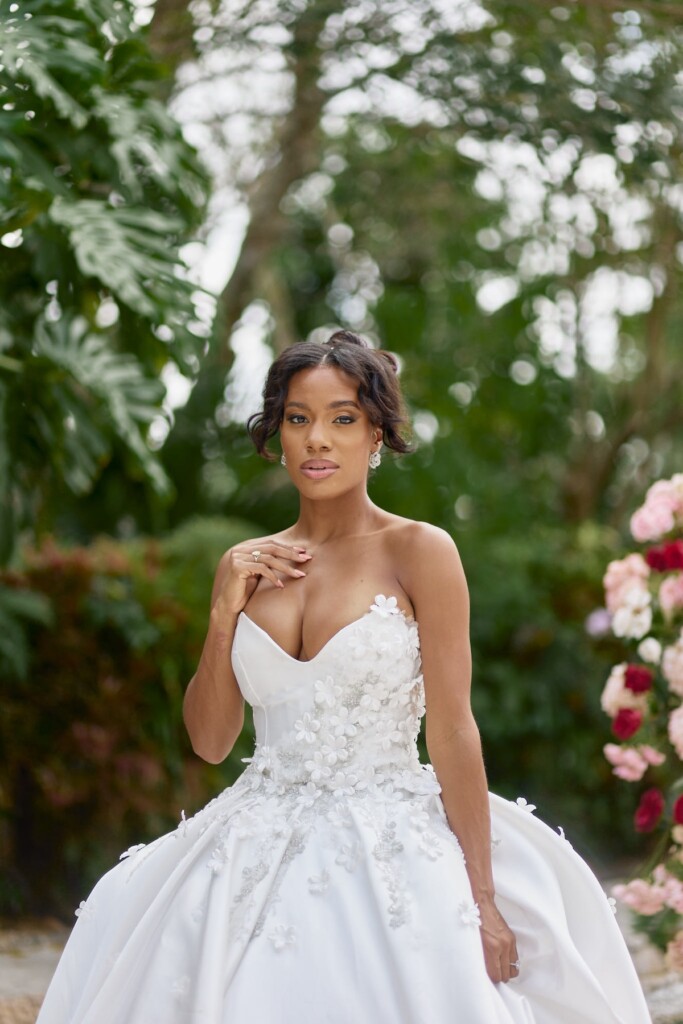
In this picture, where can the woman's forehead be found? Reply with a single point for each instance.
(322, 384)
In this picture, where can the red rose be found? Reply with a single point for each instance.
(656, 559)
(673, 554)
(649, 810)
(626, 722)
(678, 811)
(666, 556)
(638, 678)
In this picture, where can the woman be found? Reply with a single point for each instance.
(339, 880)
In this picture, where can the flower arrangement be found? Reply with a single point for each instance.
(644, 699)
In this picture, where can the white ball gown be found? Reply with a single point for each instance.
(325, 886)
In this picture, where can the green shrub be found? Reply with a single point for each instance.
(94, 755)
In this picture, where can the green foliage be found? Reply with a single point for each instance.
(93, 753)
(17, 608)
(98, 193)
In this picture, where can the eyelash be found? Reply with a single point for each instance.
(297, 416)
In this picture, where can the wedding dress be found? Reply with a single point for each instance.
(326, 887)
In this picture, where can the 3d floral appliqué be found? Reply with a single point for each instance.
(469, 913)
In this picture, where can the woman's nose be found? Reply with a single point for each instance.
(317, 436)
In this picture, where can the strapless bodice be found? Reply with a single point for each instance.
(347, 717)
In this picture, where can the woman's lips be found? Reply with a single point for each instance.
(318, 474)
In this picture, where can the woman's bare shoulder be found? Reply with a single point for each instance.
(415, 537)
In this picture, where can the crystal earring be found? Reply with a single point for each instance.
(283, 459)
(374, 460)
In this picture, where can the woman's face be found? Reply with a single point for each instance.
(325, 433)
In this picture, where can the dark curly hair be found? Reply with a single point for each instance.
(375, 371)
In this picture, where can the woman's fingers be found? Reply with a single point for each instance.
(274, 550)
(272, 556)
(500, 952)
(265, 558)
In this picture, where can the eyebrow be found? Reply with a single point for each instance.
(332, 405)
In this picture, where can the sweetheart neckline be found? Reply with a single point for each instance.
(409, 620)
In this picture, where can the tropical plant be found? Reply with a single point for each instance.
(99, 190)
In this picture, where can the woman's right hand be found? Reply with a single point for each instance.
(239, 572)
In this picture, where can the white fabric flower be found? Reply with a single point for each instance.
(349, 856)
(334, 749)
(282, 936)
(521, 802)
(180, 988)
(341, 724)
(385, 606)
(318, 767)
(327, 692)
(469, 913)
(343, 784)
(318, 884)
(306, 728)
(86, 909)
(131, 850)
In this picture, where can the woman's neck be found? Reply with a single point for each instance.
(322, 521)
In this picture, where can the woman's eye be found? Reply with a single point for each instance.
(294, 417)
(346, 419)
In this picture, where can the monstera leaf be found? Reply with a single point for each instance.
(124, 249)
(96, 395)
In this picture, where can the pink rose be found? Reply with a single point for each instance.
(674, 894)
(672, 666)
(671, 594)
(657, 516)
(628, 764)
(651, 755)
(640, 896)
(675, 730)
(622, 575)
(631, 763)
(653, 520)
(674, 953)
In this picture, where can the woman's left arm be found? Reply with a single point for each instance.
(433, 577)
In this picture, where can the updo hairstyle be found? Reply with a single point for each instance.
(374, 370)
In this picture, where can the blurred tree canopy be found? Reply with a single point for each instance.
(489, 189)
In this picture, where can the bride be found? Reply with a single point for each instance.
(340, 880)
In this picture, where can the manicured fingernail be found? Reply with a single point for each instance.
(303, 554)
(280, 584)
(298, 572)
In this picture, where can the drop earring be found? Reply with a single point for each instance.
(374, 460)
(283, 459)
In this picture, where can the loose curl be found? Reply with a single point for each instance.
(374, 370)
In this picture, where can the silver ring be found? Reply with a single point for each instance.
(256, 555)
(516, 964)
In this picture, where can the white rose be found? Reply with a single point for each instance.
(650, 650)
(634, 618)
(616, 696)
